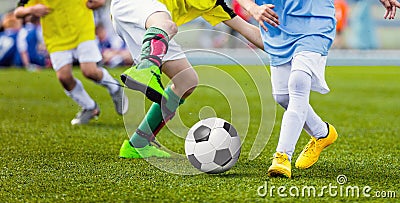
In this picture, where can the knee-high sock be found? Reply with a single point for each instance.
(154, 47)
(80, 96)
(155, 119)
(295, 116)
(314, 125)
(109, 82)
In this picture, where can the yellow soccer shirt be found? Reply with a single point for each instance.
(68, 24)
(213, 11)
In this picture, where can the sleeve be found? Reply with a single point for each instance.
(221, 12)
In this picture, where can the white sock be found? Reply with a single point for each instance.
(109, 82)
(314, 125)
(295, 116)
(80, 96)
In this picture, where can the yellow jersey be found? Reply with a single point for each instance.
(68, 24)
(213, 11)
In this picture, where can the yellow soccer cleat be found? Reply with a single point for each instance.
(310, 154)
(280, 166)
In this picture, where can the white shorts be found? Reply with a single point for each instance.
(309, 62)
(87, 51)
(129, 20)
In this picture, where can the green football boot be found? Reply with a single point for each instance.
(146, 80)
(129, 152)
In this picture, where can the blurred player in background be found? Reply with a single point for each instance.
(114, 53)
(298, 50)
(35, 48)
(10, 41)
(34, 54)
(69, 32)
(149, 25)
(390, 6)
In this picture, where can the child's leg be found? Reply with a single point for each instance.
(146, 75)
(297, 84)
(88, 55)
(184, 81)
(294, 117)
(159, 30)
(155, 119)
(146, 27)
(62, 64)
(314, 125)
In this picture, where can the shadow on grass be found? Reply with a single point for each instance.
(101, 125)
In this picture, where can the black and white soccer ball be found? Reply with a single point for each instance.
(212, 145)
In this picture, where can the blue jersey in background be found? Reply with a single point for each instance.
(33, 41)
(9, 54)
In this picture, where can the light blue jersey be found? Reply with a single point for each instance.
(305, 25)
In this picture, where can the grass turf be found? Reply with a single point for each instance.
(43, 158)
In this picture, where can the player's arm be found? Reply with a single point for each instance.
(95, 4)
(22, 46)
(391, 6)
(38, 10)
(261, 14)
(247, 30)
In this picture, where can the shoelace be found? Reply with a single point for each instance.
(158, 76)
(281, 158)
(312, 142)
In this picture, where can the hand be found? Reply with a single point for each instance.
(391, 6)
(263, 14)
(95, 4)
(40, 10)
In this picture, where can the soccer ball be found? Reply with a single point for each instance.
(212, 145)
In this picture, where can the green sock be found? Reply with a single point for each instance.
(154, 117)
(154, 47)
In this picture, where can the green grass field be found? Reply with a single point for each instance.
(45, 159)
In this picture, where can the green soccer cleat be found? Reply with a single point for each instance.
(147, 81)
(129, 152)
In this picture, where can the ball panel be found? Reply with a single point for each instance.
(189, 147)
(189, 138)
(230, 129)
(202, 133)
(209, 167)
(194, 161)
(204, 152)
(217, 170)
(235, 147)
(219, 138)
(222, 157)
(192, 129)
(230, 164)
(213, 122)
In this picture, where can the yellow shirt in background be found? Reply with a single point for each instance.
(68, 24)
(213, 11)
